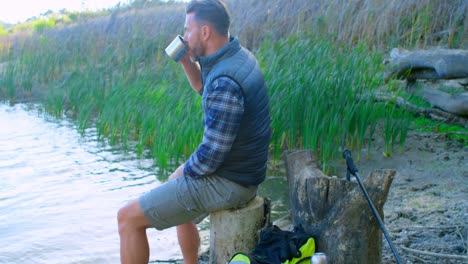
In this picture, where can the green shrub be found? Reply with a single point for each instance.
(43, 24)
(3, 32)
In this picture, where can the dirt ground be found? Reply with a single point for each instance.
(427, 206)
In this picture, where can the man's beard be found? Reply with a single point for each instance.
(196, 53)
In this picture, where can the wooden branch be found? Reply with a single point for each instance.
(437, 255)
(431, 113)
(456, 104)
(429, 227)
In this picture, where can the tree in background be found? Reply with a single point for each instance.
(3, 32)
(42, 24)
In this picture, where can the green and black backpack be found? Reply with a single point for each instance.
(278, 246)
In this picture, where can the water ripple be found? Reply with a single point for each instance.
(60, 191)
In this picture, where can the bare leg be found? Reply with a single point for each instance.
(134, 248)
(189, 241)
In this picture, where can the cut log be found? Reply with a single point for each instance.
(335, 212)
(235, 230)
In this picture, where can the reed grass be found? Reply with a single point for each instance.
(383, 23)
(319, 58)
(317, 89)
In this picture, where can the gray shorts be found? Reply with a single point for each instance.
(186, 199)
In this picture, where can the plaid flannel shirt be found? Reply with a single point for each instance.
(223, 110)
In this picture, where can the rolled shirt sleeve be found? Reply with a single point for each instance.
(224, 108)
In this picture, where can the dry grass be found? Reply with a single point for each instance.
(382, 23)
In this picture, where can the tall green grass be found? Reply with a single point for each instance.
(321, 98)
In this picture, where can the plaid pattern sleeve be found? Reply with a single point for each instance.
(223, 110)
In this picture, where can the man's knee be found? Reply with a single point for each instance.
(131, 217)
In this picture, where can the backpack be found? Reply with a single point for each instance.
(278, 246)
(240, 258)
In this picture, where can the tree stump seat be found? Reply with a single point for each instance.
(235, 230)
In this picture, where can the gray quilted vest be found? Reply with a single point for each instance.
(246, 163)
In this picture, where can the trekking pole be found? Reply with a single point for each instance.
(353, 171)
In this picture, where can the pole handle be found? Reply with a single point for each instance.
(349, 162)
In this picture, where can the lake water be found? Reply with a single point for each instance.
(60, 192)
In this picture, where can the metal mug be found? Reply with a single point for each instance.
(318, 258)
(177, 48)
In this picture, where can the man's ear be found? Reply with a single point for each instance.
(206, 32)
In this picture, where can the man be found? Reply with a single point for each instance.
(229, 164)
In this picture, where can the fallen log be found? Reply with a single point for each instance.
(427, 64)
(453, 103)
(335, 212)
(436, 64)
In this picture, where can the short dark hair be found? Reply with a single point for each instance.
(213, 12)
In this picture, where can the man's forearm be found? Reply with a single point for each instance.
(193, 72)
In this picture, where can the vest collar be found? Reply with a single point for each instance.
(227, 50)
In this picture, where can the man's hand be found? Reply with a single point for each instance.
(177, 173)
(193, 72)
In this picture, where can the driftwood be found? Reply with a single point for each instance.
(335, 212)
(453, 103)
(431, 113)
(437, 255)
(428, 64)
(437, 64)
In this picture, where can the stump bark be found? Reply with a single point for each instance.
(235, 230)
(335, 212)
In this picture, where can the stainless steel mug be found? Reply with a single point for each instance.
(177, 49)
(319, 258)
